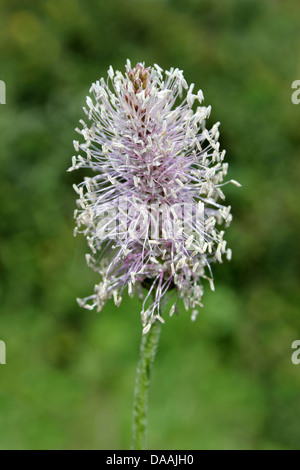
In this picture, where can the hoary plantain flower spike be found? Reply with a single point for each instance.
(151, 210)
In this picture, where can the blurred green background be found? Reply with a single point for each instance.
(224, 382)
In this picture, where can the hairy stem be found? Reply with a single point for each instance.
(147, 354)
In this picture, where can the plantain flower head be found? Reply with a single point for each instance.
(150, 212)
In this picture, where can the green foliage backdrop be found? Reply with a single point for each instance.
(224, 382)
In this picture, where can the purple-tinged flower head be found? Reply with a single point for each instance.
(150, 212)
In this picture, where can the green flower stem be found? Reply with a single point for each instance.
(147, 354)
